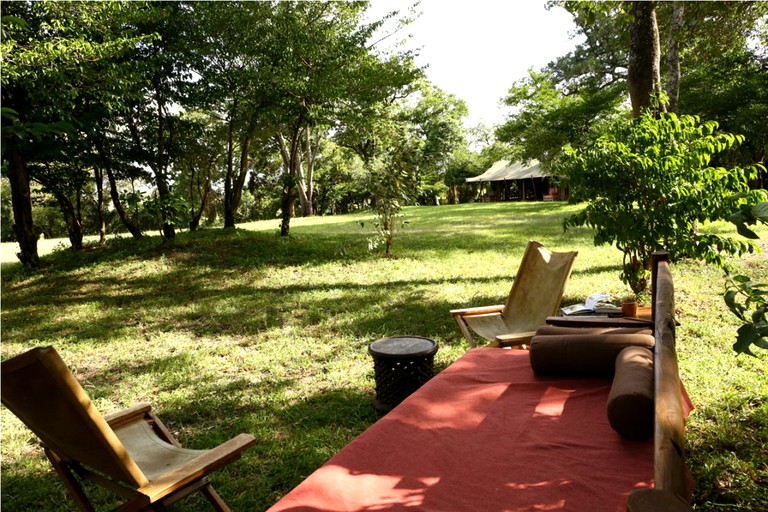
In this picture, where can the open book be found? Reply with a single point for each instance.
(596, 304)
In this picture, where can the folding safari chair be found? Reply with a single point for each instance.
(130, 452)
(536, 294)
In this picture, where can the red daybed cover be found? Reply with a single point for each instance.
(485, 435)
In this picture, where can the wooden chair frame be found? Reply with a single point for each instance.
(82, 444)
(519, 317)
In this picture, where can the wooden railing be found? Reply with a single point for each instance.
(671, 489)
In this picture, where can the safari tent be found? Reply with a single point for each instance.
(515, 181)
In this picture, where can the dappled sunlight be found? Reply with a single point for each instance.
(552, 403)
(236, 331)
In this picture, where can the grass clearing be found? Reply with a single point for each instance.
(244, 331)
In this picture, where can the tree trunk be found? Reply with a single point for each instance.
(235, 189)
(114, 194)
(452, 195)
(291, 156)
(164, 194)
(163, 189)
(194, 222)
(287, 206)
(72, 220)
(132, 226)
(98, 176)
(306, 183)
(157, 166)
(673, 56)
(294, 153)
(229, 214)
(643, 75)
(26, 232)
(195, 216)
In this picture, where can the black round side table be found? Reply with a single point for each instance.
(401, 365)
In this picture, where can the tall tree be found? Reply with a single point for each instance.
(231, 43)
(674, 36)
(44, 48)
(436, 119)
(589, 82)
(112, 154)
(153, 119)
(326, 70)
(202, 158)
(546, 118)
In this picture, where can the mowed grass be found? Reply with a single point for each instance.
(245, 331)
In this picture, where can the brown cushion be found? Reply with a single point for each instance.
(548, 330)
(630, 402)
(591, 355)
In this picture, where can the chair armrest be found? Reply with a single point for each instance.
(481, 310)
(130, 415)
(209, 461)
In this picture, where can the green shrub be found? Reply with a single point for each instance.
(650, 184)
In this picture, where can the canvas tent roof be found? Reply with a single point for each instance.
(505, 170)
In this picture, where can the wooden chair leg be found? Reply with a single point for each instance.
(465, 330)
(213, 497)
(73, 487)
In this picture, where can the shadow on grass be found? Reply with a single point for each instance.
(293, 438)
(717, 454)
(215, 285)
(98, 308)
(295, 435)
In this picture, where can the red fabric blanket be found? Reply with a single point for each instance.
(485, 435)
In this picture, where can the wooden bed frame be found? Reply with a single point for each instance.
(672, 483)
(469, 393)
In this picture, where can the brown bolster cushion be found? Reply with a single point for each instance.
(589, 355)
(549, 330)
(631, 400)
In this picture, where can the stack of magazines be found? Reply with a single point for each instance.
(596, 304)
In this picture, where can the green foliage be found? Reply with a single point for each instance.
(723, 51)
(749, 215)
(437, 119)
(650, 186)
(6, 213)
(63, 69)
(546, 119)
(341, 178)
(170, 209)
(392, 183)
(748, 300)
(739, 101)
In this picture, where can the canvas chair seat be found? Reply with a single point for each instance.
(154, 456)
(535, 294)
(129, 452)
(492, 325)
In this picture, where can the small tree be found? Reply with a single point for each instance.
(650, 184)
(393, 181)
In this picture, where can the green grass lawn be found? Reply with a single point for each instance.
(244, 331)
